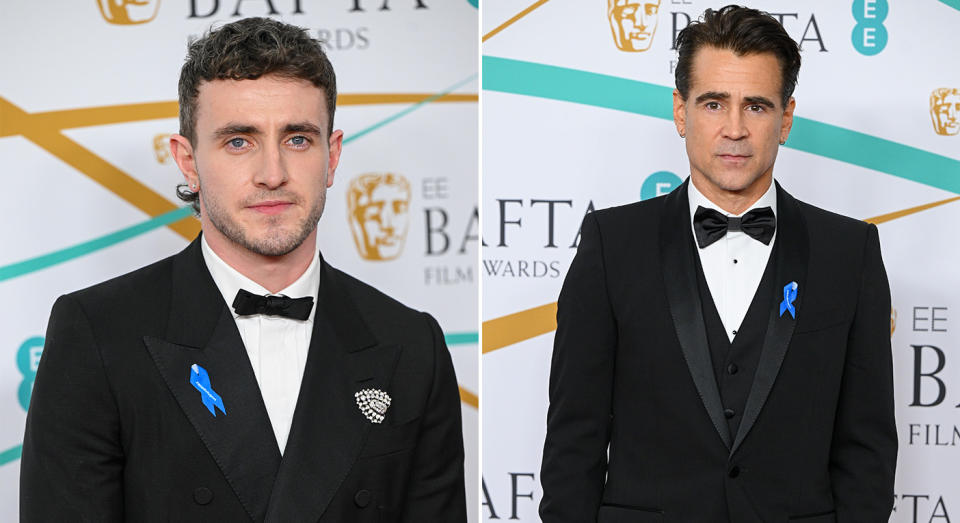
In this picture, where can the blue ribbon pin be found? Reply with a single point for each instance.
(201, 381)
(789, 295)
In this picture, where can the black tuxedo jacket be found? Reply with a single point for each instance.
(116, 432)
(632, 375)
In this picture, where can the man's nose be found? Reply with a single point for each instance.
(273, 168)
(735, 126)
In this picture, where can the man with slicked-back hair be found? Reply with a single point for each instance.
(722, 352)
(245, 379)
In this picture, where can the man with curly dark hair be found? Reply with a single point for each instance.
(245, 379)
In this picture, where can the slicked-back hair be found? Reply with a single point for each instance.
(246, 50)
(741, 30)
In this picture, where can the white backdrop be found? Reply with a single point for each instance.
(569, 117)
(85, 91)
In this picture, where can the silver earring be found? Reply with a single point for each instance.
(193, 186)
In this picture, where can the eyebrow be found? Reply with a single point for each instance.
(233, 128)
(296, 127)
(712, 95)
(760, 100)
(717, 95)
(302, 127)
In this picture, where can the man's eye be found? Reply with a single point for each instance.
(299, 140)
(237, 143)
(713, 106)
(756, 108)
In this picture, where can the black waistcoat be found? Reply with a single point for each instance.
(734, 364)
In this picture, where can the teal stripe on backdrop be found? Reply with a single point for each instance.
(633, 96)
(572, 85)
(952, 3)
(462, 338)
(47, 260)
(11, 454)
(409, 109)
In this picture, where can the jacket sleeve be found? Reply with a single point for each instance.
(436, 490)
(863, 454)
(581, 388)
(72, 463)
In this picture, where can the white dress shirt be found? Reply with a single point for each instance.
(733, 265)
(277, 346)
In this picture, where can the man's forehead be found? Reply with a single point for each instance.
(281, 100)
(716, 69)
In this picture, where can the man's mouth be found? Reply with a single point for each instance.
(734, 160)
(270, 206)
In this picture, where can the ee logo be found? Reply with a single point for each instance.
(658, 184)
(28, 358)
(869, 35)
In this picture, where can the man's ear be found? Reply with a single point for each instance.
(182, 152)
(680, 113)
(787, 123)
(336, 147)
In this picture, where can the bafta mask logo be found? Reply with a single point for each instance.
(128, 12)
(945, 111)
(161, 148)
(633, 23)
(893, 320)
(378, 205)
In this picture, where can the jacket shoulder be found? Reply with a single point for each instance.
(821, 219)
(133, 289)
(629, 214)
(387, 317)
(835, 233)
(368, 297)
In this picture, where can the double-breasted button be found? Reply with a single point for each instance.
(729, 413)
(362, 498)
(732, 368)
(202, 495)
(734, 471)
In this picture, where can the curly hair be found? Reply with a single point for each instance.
(246, 50)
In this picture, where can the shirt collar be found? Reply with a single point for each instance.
(696, 198)
(229, 280)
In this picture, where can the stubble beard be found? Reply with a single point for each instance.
(275, 241)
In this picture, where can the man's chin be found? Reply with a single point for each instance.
(272, 242)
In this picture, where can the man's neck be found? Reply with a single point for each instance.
(733, 202)
(273, 273)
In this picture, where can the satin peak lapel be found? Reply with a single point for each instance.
(793, 252)
(201, 331)
(329, 429)
(680, 280)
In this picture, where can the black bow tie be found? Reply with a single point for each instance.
(710, 225)
(247, 303)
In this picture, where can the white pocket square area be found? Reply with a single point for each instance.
(373, 404)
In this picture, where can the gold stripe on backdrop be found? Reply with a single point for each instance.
(469, 398)
(514, 328)
(43, 130)
(906, 212)
(512, 20)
